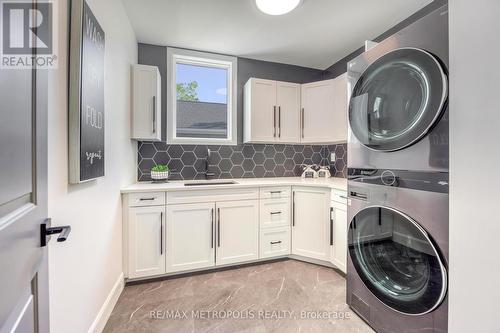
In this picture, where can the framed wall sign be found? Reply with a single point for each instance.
(86, 95)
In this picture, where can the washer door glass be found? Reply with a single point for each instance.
(397, 99)
(396, 260)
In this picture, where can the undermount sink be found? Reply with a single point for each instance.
(210, 182)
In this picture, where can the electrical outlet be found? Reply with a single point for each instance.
(332, 157)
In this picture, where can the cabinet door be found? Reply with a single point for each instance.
(288, 101)
(339, 236)
(339, 129)
(311, 223)
(237, 231)
(190, 236)
(317, 112)
(260, 111)
(146, 111)
(146, 246)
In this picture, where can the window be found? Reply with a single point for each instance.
(201, 98)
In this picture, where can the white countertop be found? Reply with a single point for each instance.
(333, 183)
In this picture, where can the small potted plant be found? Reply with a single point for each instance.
(159, 172)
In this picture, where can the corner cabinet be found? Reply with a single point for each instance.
(271, 111)
(146, 103)
(338, 229)
(283, 112)
(324, 111)
(310, 222)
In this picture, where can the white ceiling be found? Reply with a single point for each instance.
(316, 34)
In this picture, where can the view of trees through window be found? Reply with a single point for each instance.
(186, 91)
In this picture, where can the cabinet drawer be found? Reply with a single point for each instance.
(339, 196)
(146, 199)
(194, 196)
(275, 192)
(275, 213)
(274, 242)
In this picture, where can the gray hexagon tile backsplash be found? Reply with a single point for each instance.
(188, 162)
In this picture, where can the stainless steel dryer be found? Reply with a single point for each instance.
(398, 249)
(398, 112)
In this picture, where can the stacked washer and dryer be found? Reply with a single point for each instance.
(398, 180)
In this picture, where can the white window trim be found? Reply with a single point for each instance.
(174, 56)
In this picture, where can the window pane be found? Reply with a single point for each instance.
(201, 101)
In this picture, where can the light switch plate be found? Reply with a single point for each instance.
(332, 157)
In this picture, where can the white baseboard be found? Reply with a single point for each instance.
(106, 309)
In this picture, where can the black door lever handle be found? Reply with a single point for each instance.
(46, 231)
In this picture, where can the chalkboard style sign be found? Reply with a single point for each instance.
(86, 104)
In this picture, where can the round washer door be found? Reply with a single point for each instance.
(398, 99)
(396, 260)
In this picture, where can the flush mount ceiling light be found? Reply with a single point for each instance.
(277, 7)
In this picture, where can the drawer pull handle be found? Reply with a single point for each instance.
(147, 199)
(278, 242)
(275, 192)
(343, 197)
(275, 213)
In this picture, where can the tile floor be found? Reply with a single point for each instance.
(272, 297)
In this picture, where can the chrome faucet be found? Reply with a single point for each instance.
(208, 174)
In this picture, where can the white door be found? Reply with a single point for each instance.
(339, 126)
(263, 110)
(24, 305)
(317, 113)
(310, 223)
(339, 236)
(237, 231)
(146, 241)
(190, 236)
(146, 114)
(288, 101)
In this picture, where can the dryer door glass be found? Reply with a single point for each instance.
(397, 99)
(396, 260)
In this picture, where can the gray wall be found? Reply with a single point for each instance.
(247, 68)
(474, 159)
(340, 66)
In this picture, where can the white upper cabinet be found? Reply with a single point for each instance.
(288, 101)
(271, 111)
(146, 103)
(324, 111)
(260, 110)
(338, 131)
(283, 112)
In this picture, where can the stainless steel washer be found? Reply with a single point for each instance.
(398, 249)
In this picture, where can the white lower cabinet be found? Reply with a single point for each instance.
(339, 235)
(190, 236)
(182, 231)
(274, 242)
(146, 241)
(237, 231)
(310, 222)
